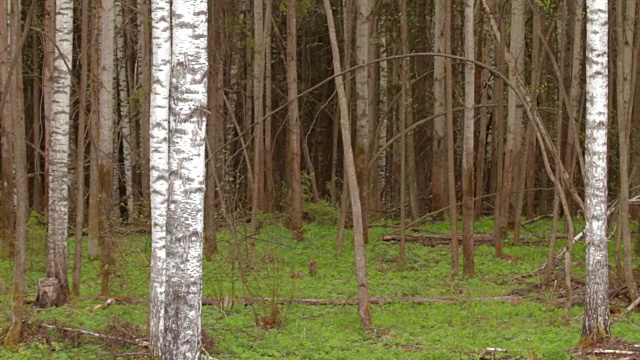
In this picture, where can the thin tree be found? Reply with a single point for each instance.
(364, 9)
(59, 160)
(294, 129)
(597, 325)
(80, 155)
(625, 11)
(11, 100)
(467, 154)
(105, 142)
(364, 309)
(438, 173)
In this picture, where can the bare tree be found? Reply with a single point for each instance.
(364, 309)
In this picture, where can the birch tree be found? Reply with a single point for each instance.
(59, 160)
(159, 167)
(596, 326)
(178, 126)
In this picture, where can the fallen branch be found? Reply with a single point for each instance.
(434, 240)
(633, 305)
(137, 342)
(609, 351)
(225, 301)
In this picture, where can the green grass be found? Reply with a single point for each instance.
(528, 328)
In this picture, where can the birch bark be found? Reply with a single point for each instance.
(59, 152)
(596, 326)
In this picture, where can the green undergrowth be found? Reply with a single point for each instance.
(532, 327)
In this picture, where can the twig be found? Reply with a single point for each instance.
(610, 351)
(633, 305)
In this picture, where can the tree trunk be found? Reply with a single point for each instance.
(123, 111)
(80, 155)
(451, 172)
(469, 133)
(596, 326)
(295, 178)
(59, 154)
(404, 108)
(159, 170)
(438, 186)
(364, 22)
(625, 10)
(15, 106)
(185, 213)
(364, 309)
(105, 149)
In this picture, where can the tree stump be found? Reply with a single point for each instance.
(49, 293)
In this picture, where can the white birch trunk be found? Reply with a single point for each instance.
(159, 168)
(59, 150)
(596, 320)
(185, 216)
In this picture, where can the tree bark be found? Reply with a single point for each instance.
(364, 309)
(596, 326)
(159, 170)
(59, 153)
(469, 133)
(625, 11)
(364, 22)
(438, 185)
(105, 149)
(295, 178)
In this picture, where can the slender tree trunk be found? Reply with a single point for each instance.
(596, 326)
(469, 133)
(364, 309)
(159, 170)
(38, 190)
(144, 87)
(438, 184)
(94, 131)
(626, 11)
(364, 22)
(451, 172)
(295, 210)
(402, 117)
(123, 97)
(105, 141)
(258, 124)
(81, 145)
(59, 159)
(16, 36)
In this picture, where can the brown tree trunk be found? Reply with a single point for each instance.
(296, 201)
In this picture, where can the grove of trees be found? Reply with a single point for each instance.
(185, 116)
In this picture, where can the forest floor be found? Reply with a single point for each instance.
(500, 313)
